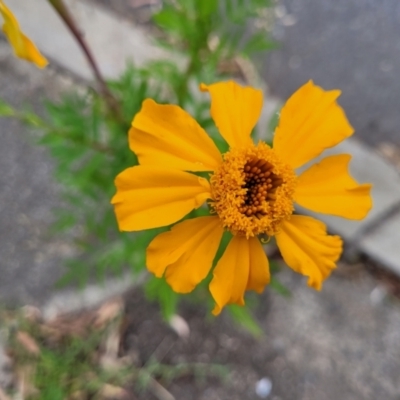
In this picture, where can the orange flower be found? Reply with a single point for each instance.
(22, 45)
(251, 191)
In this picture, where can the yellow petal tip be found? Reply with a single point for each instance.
(203, 87)
(314, 285)
(216, 310)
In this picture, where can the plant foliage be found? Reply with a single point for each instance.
(89, 145)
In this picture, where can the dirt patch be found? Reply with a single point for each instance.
(340, 343)
(337, 344)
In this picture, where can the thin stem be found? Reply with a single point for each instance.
(111, 101)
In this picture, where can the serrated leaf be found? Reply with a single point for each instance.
(257, 43)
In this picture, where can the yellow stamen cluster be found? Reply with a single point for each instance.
(253, 191)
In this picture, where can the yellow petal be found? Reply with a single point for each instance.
(186, 252)
(243, 266)
(231, 274)
(327, 187)
(22, 45)
(235, 110)
(310, 122)
(259, 275)
(150, 197)
(168, 135)
(308, 249)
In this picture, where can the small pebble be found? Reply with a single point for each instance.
(180, 326)
(377, 295)
(263, 388)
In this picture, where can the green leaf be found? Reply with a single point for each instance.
(6, 110)
(32, 119)
(65, 220)
(279, 287)
(207, 7)
(159, 290)
(243, 317)
(169, 20)
(257, 43)
(273, 122)
(77, 272)
(226, 238)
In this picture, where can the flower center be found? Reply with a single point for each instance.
(260, 184)
(253, 191)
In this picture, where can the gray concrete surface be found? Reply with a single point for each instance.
(341, 343)
(30, 259)
(114, 43)
(382, 243)
(366, 166)
(348, 44)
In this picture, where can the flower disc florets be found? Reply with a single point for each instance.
(253, 191)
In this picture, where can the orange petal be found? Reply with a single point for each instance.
(242, 266)
(167, 135)
(327, 187)
(308, 249)
(259, 275)
(150, 197)
(186, 252)
(310, 122)
(235, 110)
(22, 45)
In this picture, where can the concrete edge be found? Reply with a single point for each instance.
(70, 300)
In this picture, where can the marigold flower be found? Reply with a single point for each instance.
(251, 191)
(22, 45)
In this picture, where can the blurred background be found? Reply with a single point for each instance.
(348, 44)
(340, 343)
(352, 45)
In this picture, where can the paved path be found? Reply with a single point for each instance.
(29, 257)
(348, 44)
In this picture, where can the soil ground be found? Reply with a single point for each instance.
(340, 343)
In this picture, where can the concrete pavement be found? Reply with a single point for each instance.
(348, 44)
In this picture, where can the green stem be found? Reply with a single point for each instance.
(66, 16)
